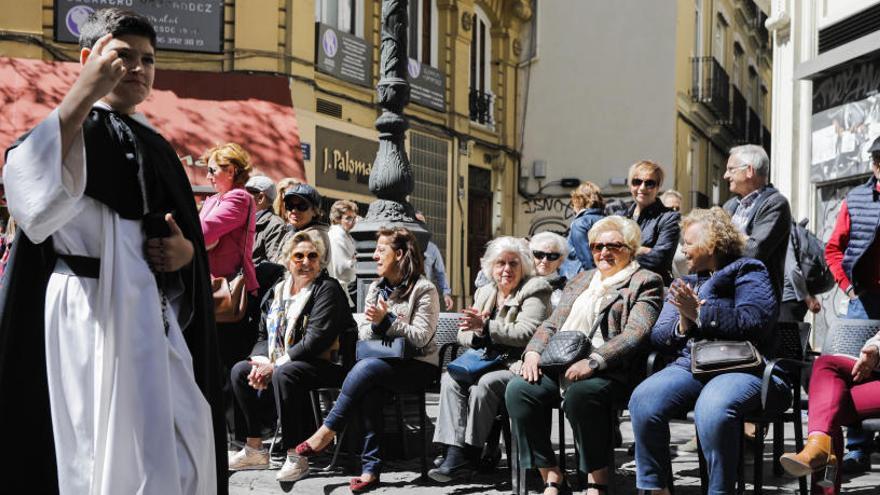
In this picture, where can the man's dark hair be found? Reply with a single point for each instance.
(119, 22)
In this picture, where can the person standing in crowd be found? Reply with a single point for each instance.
(672, 199)
(343, 216)
(853, 256)
(302, 208)
(435, 269)
(401, 303)
(548, 251)
(589, 207)
(758, 210)
(112, 387)
(504, 316)
(659, 224)
(796, 298)
(621, 301)
(270, 227)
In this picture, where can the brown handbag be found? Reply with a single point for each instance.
(230, 299)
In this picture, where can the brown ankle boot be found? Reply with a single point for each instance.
(816, 455)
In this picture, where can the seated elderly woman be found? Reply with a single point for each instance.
(727, 297)
(505, 314)
(843, 390)
(549, 251)
(401, 303)
(296, 351)
(620, 301)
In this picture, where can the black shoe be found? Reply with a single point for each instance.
(489, 462)
(458, 464)
(438, 461)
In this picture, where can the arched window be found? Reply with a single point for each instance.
(481, 58)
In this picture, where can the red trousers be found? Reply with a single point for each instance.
(836, 401)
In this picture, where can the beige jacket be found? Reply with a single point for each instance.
(516, 321)
(417, 317)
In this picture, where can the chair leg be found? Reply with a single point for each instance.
(423, 434)
(778, 446)
(517, 473)
(799, 446)
(758, 456)
(401, 427)
(275, 436)
(704, 469)
(561, 420)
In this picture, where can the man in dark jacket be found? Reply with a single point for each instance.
(760, 211)
(270, 227)
(852, 252)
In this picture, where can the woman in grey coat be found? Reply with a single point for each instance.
(505, 314)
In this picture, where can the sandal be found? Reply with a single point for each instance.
(562, 487)
(598, 487)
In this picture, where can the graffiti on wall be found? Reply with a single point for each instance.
(548, 214)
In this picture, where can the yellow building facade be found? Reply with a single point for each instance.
(463, 58)
(723, 80)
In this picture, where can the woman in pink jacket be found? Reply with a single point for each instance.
(229, 226)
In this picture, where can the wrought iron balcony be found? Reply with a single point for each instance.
(740, 116)
(755, 127)
(481, 107)
(710, 85)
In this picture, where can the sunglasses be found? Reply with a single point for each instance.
(614, 247)
(539, 255)
(299, 257)
(298, 205)
(649, 184)
(213, 170)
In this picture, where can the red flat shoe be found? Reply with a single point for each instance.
(358, 486)
(306, 450)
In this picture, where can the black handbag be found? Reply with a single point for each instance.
(565, 348)
(396, 348)
(710, 358)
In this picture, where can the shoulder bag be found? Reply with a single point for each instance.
(474, 363)
(231, 298)
(566, 347)
(710, 358)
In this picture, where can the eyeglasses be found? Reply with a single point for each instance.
(539, 255)
(649, 184)
(731, 170)
(299, 257)
(614, 247)
(298, 206)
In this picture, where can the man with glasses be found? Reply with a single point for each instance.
(759, 210)
(852, 253)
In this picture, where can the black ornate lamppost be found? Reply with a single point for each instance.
(391, 179)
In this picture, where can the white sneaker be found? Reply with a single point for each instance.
(248, 458)
(295, 468)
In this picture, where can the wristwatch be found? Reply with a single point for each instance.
(593, 364)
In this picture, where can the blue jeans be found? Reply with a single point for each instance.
(864, 307)
(718, 409)
(365, 390)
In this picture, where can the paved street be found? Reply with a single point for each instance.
(399, 475)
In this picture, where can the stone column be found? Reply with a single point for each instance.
(391, 179)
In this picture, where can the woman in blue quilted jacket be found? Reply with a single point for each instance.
(725, 297)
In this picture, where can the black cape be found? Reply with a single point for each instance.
(24, 394)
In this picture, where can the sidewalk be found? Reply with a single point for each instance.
(400, 475)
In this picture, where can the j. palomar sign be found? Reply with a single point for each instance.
(343, 161)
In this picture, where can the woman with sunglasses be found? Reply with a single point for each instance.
(302, 211)
(504, 316)
(229, 225)
(401, 303)
(549, 251)
(621, 301)
(659, 224)
(297, 350)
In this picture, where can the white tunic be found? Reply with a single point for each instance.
(127, 415)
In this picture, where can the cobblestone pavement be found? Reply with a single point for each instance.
(400, 476)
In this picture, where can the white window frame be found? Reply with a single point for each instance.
(698, 28)
(719, 39)
(486, 56)
(327, 10)
(435, 36)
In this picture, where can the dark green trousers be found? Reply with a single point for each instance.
(588, 406)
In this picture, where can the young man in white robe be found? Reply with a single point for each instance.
(109, 369)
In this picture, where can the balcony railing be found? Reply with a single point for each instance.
(481, 107)
(710, 85)
(740, 114)
(755, 127)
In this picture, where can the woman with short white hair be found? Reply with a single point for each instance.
(549, 250)
(504, 316)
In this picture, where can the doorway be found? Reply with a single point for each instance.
(479, 217)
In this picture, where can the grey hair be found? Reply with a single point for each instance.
(561, 245)
(507, 244)
(754, 155)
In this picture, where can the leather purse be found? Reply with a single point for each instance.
(710, 358)
(566, 347)
(230, 299)
(474, 363)
(396, 348)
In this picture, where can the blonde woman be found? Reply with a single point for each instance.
(659, 224)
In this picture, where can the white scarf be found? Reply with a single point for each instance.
(586, 307)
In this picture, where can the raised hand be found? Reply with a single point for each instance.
(376, 312)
